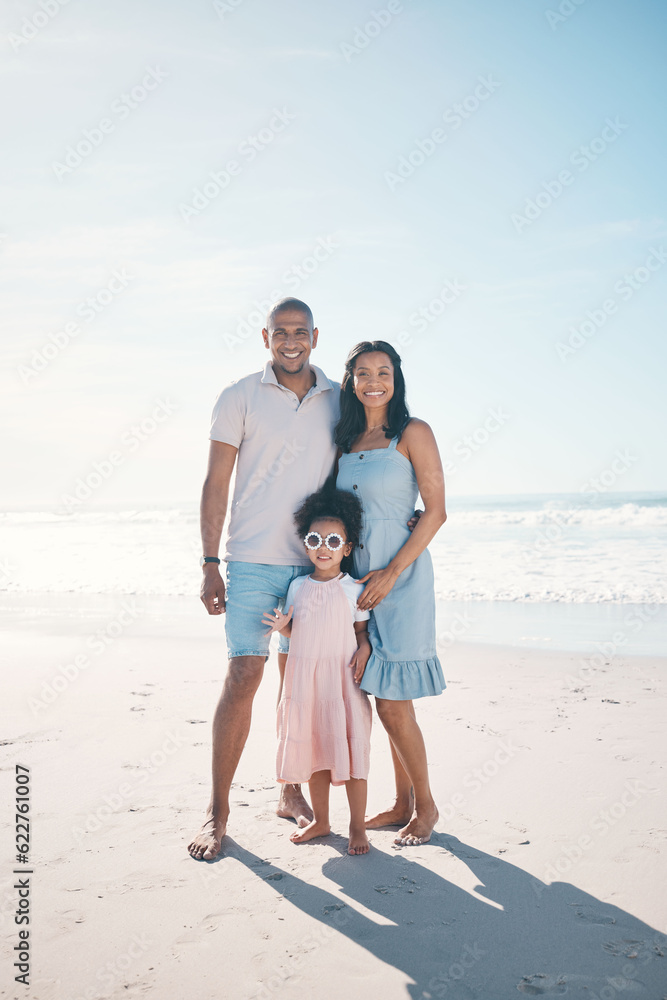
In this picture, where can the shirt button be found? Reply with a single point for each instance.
(355, 487)
(361, 545)
(361, 456)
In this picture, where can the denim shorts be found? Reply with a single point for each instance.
(252, 589)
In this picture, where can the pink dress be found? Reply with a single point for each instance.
(324, 718)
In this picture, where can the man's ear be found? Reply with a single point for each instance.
(265, 338)
(313, 343)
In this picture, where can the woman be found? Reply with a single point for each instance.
(386, 458)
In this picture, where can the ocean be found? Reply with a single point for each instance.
(563, 570)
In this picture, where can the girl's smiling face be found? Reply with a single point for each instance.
(326, 560)
(374, 379)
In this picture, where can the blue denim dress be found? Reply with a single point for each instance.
(404, 663)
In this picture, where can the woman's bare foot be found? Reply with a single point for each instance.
(206, 845)
(419, 829)
(315, 829)
(397, 815)
(292, 805)
(358, 842)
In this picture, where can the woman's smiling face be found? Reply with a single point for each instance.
(374, 379)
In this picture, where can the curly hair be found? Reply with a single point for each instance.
(352, 418)
(339, 505)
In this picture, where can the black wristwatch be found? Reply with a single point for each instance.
(209, 559)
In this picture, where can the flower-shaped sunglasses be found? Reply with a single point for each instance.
(314, 540)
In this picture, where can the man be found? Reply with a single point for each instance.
(277, 427)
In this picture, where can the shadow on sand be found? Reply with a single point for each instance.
(511, 934)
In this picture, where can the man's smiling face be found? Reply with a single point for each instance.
(290, 338)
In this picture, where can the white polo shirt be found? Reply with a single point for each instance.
(286, 451)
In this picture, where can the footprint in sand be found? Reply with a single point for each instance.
(540, 984)
(628, 948)
(591, 916)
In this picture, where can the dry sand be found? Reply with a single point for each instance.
(544, 876)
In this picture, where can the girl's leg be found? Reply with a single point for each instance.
(399, 720)
(356, 789)
(401, 811)
(319, 796)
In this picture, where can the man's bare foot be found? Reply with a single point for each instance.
(206, 844)
(358, 842)
(315, 829)
(397, 815)
(419, 829)
(292, 805)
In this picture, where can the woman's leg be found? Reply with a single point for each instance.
(398, 718)
(357, 789)
(404, 804)
(319, 796)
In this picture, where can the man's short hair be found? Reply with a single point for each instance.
(289, 303)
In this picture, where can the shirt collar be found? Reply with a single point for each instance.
(322, 383)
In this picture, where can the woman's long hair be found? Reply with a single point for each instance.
(352, 416)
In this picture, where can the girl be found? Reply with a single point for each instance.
(324, 719)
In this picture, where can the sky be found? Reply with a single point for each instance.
(480, 184)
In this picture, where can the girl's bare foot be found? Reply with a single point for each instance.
(358, 842)
(292, 805)
(315, 829)
(397, 815)
(419, 829)
(206, 845)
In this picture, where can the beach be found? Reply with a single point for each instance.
(543, 875)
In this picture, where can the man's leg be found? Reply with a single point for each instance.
(291, 804)
(231, 725)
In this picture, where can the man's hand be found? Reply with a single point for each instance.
(277, 621)
(213, 590)
(414, 520)
(360, 659)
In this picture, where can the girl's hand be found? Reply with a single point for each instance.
(277, 621)
(360, 659)
(380, 583)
